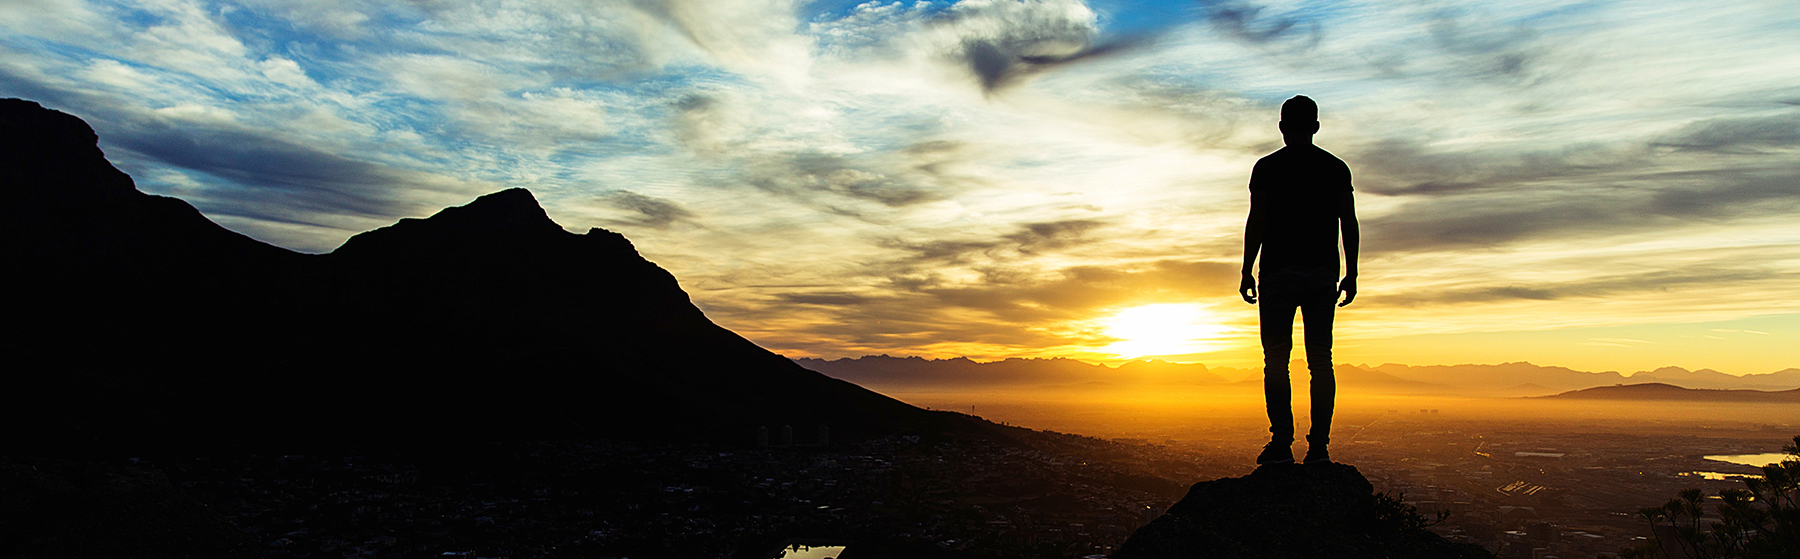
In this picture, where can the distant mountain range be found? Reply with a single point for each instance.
(141, 325)
(1508, 375)
(1652, 391)
(882, 370)
(1505, 379)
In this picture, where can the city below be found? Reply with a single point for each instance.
(1526, 489)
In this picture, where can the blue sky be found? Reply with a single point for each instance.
(1001, 178)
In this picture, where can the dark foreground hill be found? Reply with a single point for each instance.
(1288, 510)
(140, 325)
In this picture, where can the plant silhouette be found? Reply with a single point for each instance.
(1761, 521)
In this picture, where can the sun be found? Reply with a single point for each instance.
(1163, 329)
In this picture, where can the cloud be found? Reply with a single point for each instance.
(757, 36)
(1449, 200)
(1003, 41)
(1737, 134)
(1487, 50)
(713, 124)
(1404, 166)
(810, 175)
(999, 64)
(1482, 223)
(827, 299)
(252, 174)
(997, 43)
(316, 179)
(556, 39)
(652, 212)
(343, 19)
(1080, 292)
(1710, 273)
(1026, 241)
(1053, 235)
(1730, 192)
(1248, 22)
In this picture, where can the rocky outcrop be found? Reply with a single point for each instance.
(1288, 511)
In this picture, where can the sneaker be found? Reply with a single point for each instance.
(1316, 454)
(1276, 453)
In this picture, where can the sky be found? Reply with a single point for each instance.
(1600, 185)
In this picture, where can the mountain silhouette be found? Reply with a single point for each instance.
(1506, 376)
(1656, 391)
(1351, 377)
(1785, 379)
(883, 370)
(1290, 510)
(1502, 376)
(150, 327)
(1503, 380)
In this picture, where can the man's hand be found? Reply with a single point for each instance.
(1247, 288)
(1348, 288)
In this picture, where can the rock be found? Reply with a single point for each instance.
(1290, 511)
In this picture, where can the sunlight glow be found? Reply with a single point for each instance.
(1163, 329)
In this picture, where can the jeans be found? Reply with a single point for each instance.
(1316, 297)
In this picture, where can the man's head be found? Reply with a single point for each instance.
(1299, 120)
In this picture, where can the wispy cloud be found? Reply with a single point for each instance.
(651, 211)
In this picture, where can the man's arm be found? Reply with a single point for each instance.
(1253, 234)
(1352, 244)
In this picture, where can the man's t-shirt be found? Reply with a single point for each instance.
(1299, 190)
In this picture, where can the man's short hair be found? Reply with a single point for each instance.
(1300, 109)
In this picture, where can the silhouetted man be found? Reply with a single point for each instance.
(1299, 201)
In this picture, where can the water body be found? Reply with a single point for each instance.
(810, 552)
(1722, 476)
(1757, 460)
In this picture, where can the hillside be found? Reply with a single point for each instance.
(155, 328)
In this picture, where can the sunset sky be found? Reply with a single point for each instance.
(1599, 185)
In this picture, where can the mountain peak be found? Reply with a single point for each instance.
(496, 221)
(510, 209)
(37, 131)
(515, 200)
(51, 155)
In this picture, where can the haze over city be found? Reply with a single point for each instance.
(1603, 186)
